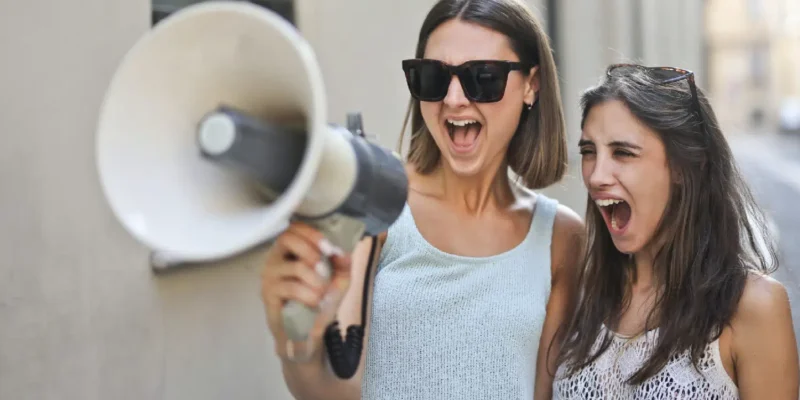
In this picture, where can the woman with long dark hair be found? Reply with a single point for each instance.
(675, 298)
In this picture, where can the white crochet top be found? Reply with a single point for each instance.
(678, 380)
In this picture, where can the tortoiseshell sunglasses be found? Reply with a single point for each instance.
(663, 75)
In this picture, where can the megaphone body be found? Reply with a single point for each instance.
(213, 136)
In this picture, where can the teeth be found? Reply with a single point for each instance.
(607, 202)
(614, 223)
(464, 122)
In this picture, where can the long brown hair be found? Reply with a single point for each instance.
(538, 150)
(712, 234)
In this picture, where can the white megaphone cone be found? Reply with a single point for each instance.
(214, 134)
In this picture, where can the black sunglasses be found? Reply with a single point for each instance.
(483, 81)
(662, 75)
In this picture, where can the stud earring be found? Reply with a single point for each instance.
(530, 106)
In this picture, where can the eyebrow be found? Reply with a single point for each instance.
(616, 143)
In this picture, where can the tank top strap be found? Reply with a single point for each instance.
(544, 214)
(398, 238)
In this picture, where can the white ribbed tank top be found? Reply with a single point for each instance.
(452, 327)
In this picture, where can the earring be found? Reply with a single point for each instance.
(530, 106)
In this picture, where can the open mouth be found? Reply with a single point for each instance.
(463, 133)
(617, 214)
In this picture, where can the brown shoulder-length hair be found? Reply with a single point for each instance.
(537, 152)
(711, 237)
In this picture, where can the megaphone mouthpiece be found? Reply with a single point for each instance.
(269, 153)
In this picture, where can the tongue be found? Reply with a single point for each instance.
(621, 214)
(464, 136)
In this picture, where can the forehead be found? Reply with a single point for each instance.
(456, 41)
(612, 120)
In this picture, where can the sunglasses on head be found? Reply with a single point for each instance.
(483, 81)
(662, 75)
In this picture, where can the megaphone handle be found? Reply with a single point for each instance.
(298, 319)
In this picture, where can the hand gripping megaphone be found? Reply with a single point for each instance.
(213, 135)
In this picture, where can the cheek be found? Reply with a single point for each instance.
(502, 118)
(430, 114)
(653, 194)
(587, 166)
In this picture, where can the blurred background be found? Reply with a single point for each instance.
(82, 316)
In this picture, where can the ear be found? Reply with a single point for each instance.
(531, 86)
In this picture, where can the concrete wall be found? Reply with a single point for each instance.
(81, 314)
(595, 33)
(754, 58)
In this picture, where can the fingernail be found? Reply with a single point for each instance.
(328, 249)
(322, 270)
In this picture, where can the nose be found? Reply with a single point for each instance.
(601, 172)
(455, 94)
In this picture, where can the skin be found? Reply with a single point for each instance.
(465, 207)
(758, 348)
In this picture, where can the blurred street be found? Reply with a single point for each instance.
(771, 164)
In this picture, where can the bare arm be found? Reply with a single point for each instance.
(764, 347)
(566, 250)
(315, 379)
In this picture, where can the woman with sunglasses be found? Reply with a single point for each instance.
(475, 273)
(675, 298)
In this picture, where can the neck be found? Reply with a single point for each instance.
(478, 193)
(643, 262)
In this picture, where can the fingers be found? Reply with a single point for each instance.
(303, 266)
(291, 290)
(306, 231)
(299, 271)
(297, 246)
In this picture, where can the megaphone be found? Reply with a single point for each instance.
(213, 135)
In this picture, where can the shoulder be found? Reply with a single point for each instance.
(568, 234)
(568, 241)
(567, 225)
(764, 304)
(763, 312)
(764, 348)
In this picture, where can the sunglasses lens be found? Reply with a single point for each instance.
(428, 81)
(485, 81)
(482, 81)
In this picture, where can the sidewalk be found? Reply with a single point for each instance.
(776, 154)
(771, 166)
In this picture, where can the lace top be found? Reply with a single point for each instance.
(678, 380)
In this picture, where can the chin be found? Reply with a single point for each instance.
(629, 244)
(464, 167)
(625, 246)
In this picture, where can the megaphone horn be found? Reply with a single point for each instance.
(213, 135)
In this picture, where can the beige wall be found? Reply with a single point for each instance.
(596, 33)
(736, 34)
(81, 315)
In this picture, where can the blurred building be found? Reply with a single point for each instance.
(754, 62)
